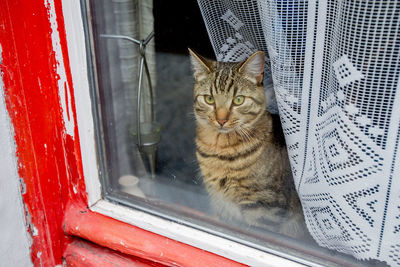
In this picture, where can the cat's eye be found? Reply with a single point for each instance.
(238, 100)
(209, 99)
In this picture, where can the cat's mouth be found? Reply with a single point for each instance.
(226, 127)
(223, 129)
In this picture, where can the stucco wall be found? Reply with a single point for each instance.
(14, 240)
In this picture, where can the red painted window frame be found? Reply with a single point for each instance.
(49, 158)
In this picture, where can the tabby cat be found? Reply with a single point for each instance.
(242, 159)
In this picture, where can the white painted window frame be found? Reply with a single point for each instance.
(194, 237)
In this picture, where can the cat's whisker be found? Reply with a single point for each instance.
(249, 134)
(239, 132)
(243, 134)
(191, 115)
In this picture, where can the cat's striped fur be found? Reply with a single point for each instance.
(242, 158)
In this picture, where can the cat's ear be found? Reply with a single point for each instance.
(253, 67)
(201, 66)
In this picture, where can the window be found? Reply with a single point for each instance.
(143, 83)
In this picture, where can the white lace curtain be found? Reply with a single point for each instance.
(335, 70)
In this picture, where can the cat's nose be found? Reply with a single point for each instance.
(222, 122)
(222, 116)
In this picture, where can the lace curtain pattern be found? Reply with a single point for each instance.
(335, 69)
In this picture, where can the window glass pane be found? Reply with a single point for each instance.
(158, 171)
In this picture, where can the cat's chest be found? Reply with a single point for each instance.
(224, 145)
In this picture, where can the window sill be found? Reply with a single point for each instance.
(83, 253)
(179, 244)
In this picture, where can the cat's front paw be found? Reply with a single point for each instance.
(293, 227)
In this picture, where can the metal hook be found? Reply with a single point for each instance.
(152, 139)
(143, 62)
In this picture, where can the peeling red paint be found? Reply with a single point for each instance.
(80, 253)
(134, 241)
(78, 178)
(48, 158)
(66, 99)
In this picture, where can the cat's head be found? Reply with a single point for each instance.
(228, 96)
